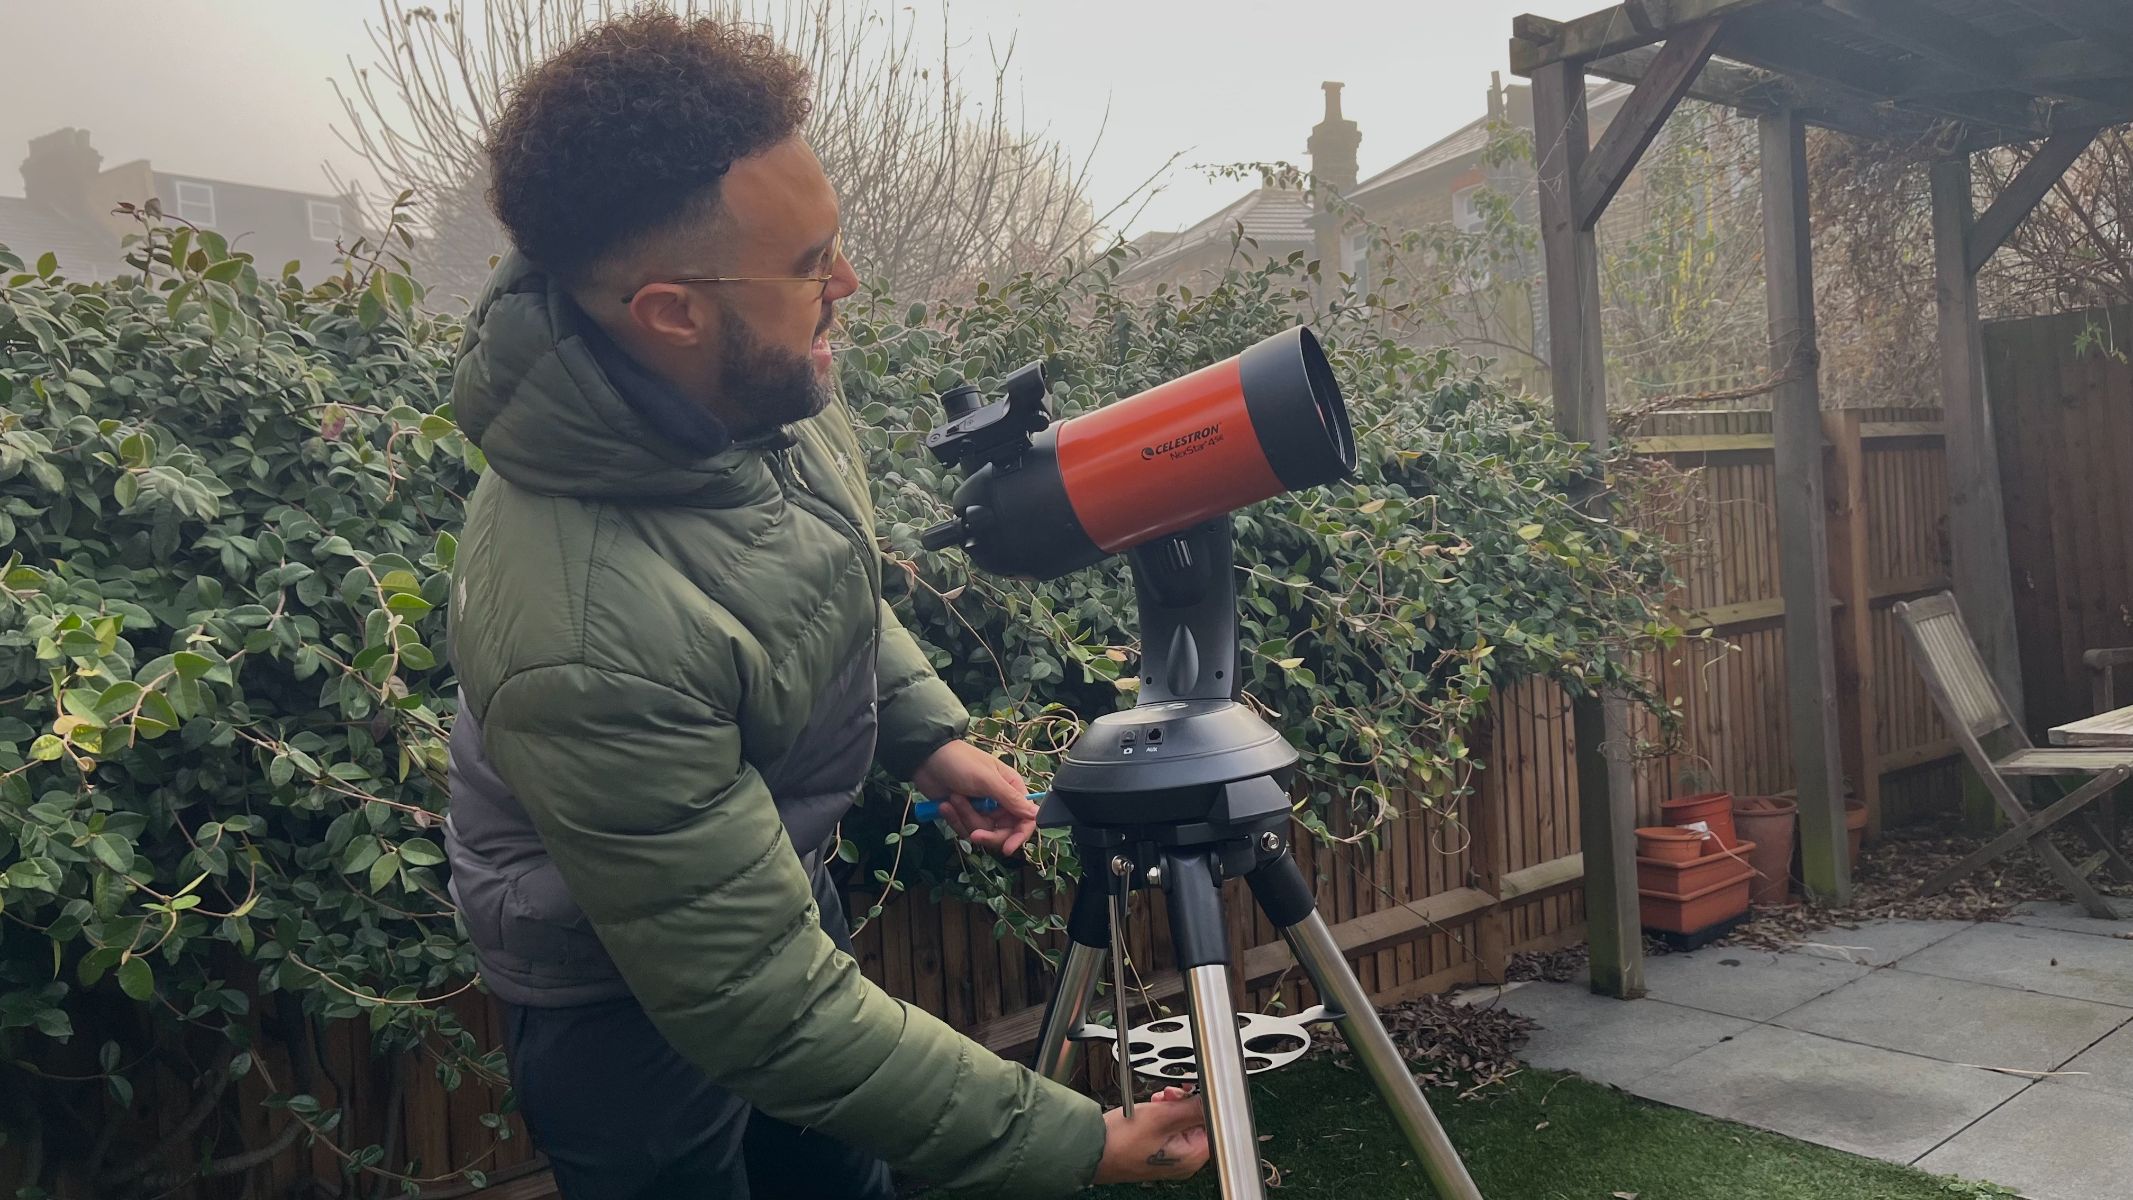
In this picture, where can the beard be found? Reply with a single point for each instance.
(763, 386)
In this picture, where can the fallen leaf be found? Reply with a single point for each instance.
(1539, 1127)
(1625, 1196)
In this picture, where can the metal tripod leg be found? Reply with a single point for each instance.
(1088, 942)
(1281, 891)
(1197, 932)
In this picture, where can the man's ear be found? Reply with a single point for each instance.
(673, 314)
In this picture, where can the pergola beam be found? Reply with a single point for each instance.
(1915, 28)
(1977, 522)
(1630, 134)
(1537, 42)
(1755, 91)
(1606, 789)
(2023, 194)
(1803, 548)
(1872, 82)
(2084, 18)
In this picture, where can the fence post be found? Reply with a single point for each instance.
(1488, 860)
(1850, 580)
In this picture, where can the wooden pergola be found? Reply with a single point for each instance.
(1952, 76)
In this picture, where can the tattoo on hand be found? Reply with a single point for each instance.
(1163, 1158)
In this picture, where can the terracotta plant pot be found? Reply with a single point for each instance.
(1766, 823)
(1670, 843)
(1721, 901)
(1855, 827)
(1714, 809)
(1692, 877)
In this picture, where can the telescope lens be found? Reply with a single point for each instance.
(1297, 409)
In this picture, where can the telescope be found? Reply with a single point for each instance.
(1190, 786)
(1042, 500)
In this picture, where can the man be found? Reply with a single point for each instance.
(677, 666)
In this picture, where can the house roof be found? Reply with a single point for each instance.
(1272, 217)
(1470, 139)
(30, 229)
(1950, 74)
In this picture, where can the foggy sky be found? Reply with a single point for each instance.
(239, 89)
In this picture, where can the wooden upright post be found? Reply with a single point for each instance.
(1850, 580)
(1803, 552)
(1977, 524)
(1607, 803)
(1488, 855)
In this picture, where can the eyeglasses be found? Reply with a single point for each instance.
(828, 272)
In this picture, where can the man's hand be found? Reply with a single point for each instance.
(958, 773)
(1165, 1139)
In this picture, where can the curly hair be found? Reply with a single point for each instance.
(630, 128)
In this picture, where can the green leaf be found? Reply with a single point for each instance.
(192, 665)
(1529, 532)
(383, 871)
(136, 979)
(47, 263)
(420, 852)
(47, 748)
(112, 851)
(361, 853)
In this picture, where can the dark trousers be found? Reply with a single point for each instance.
(622, 1116)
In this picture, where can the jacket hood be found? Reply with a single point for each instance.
(559, 410)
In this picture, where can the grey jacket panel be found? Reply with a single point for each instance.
(534, 943)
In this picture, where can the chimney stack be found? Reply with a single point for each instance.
(60, 170)
(1332, 149)
(1332, 145)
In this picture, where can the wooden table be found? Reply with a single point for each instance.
(2114, 729)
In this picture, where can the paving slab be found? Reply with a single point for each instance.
(1957, 1021)
(2052, 1142)
(1608, 1040)
(2028, 958)
(1739, 981)
(2071, 917)
(1863, 1099)
(1878, 943)
(2106, 1066)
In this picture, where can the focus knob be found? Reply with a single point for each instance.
(946, 535)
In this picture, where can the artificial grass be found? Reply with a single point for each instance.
(1544, 1136)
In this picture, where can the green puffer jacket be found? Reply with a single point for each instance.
(645, 635)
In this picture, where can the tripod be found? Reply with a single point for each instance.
(1182, 791)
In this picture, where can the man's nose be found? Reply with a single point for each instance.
(844, 280)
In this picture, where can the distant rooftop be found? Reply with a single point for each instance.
(84, 250)
(1270, 216)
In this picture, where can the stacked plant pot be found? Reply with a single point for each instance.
(1693, 873)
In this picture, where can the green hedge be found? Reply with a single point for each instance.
(229, 504)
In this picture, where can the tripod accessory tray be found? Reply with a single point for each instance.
(1163, 1050)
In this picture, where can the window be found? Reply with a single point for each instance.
(1355, 258)
(196, 202)
(325, 220)
(1467, 216)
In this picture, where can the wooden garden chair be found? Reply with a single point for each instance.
(1974, 709)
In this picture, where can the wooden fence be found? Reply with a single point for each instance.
(1437, 899)
(2063, 418)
